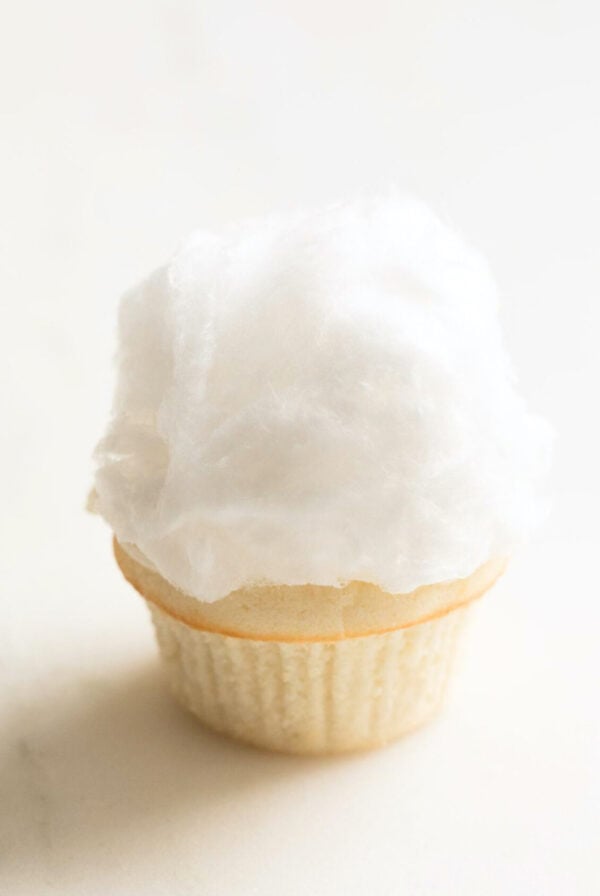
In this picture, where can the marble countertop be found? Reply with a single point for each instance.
(108, 787)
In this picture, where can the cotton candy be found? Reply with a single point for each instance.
(319, 398)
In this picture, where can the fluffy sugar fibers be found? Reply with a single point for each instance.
(319, 398)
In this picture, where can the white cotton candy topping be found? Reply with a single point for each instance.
(319, 398)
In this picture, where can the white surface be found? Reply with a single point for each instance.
(125, 125)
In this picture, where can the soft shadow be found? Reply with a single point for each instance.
(116, 761)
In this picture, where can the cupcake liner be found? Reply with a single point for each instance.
(314, 696)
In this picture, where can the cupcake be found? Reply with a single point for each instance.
(316, 462)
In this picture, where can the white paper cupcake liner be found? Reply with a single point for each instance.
(311, 696)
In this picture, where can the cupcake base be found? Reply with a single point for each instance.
(311, 697)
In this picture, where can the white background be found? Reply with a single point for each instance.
(125, 124)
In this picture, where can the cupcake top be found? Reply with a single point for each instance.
(318, 398)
